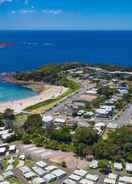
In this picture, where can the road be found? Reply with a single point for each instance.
(61, 104)
(19, 176)
(101, 179)
(124, 118)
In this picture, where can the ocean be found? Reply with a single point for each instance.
(25, 50)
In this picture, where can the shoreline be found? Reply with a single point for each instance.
(33, 85)
(18, 106)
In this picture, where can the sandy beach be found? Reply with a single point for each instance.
(19, 105)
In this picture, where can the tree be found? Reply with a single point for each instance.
(26, 139)
(33, 121)
(82, 138)
(104, 166)
(63, 164)
(118, 146)
(85, 135)
(62, 135)
(9, 114)
(9, 117)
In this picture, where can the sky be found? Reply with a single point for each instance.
(66, 14)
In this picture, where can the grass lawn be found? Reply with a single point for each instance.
(4, 163)
(51, 102)
(14, 180)
(28, 162)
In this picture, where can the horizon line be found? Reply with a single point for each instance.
(65, 29)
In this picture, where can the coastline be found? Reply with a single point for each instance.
(33, 85)
(18, 106)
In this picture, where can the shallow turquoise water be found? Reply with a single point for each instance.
(10, 92)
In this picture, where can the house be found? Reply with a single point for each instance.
(69, 181)
(6, 136)
(92, 177)
(85, 181)
(41, 164)
(3, 132)
(80, 172)
(47, 120)
(118, 166)
(39, 171)
(50, 168)
(129, 167)
(50, 177)
(3, 151)
(29, 175)
(59, 173)
(112, 125)
(74, 177)
(4, 145)
(12, 148)
(59, 121)
(38, 180)
(125, 179)
(100, 125)
(2, 128)
(112, 176)
(25, 169)
(103, 113)
(109, 181)
(93, 164)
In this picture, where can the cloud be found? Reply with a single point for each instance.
(13, 12)
(26, 2)
(27, 11)
(52, 11)
(5, 1)
(33, 10)
(23, 11)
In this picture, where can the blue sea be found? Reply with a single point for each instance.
(34, 48)
(30, 49)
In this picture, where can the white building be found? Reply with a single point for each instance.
(69, 181)
(39, 171)
(109, 181)
(59, 173)
(3, 151)
(93, 164)
(12, 148)
(85, 181)
(75, 177)
(50, 168)
(41, 164)
(80, 172)
(125, 179)
(47, 120)
(38, 180)
(50, 177)
(29, 175)
(129, 167)
(92, 177)
(118, 166)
